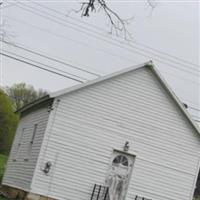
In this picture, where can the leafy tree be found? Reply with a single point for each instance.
(8, 123)
(22, 94)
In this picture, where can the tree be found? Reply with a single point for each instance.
(118, 25)
(8, 123)
(22, 94)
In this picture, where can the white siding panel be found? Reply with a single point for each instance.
(19, 172)
(89, 123)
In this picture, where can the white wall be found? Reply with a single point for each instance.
(89, 123)
(21, 163)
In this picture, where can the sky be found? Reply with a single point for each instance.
(168, 35)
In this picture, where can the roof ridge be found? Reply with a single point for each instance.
(123, 71)
(97, 80)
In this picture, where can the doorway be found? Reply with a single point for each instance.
(119, 173)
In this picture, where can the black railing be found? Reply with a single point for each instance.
(140, 198)
(100, 193)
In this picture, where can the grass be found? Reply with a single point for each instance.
(3, 198)
(3, 160)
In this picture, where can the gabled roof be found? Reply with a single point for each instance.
(103, 78)
(115, 74)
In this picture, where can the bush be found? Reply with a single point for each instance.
(8, 123)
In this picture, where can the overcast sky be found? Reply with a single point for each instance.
(173, 27)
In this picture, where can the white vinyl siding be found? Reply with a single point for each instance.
(89, 123)
(21, 163)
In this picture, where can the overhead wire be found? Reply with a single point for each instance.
(65, 21)
(68, 16)
(54, 72)
(191, 103)
(24, 61)
(172, 56)
(49, 58)
(79, 42)
(64, 71)
(197, 117)
(110, 42)
(39, 67)
(73, 40)
(193, 108)
(100, 29)
(40, 63)
(84, 27)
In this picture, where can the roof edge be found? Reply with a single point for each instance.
(123, 71)
(33, 103)
(97, 80)
(176, 99)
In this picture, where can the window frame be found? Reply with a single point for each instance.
(30, 144)
(19, 144)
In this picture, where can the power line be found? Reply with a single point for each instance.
(49, 58)
(107, 41)
(68, 16)
(99, 28)
(39, 67)
(54, 68)
(189, 102)
(111, 54)
(103, 35)
(51, 71)
(167, 54)
(197, 117)
(79, 42)
(193, 108)
(145, 55)
(70, 39)
(20, 60)
(91, 25)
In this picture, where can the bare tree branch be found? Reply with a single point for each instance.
(117, 24)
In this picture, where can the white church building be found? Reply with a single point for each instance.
(125, 136)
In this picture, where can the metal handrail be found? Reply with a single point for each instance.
(100, 193)
(140, 198)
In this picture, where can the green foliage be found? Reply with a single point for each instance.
(8, 123)
(3, 160)
(3, 198)
(22, 94)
